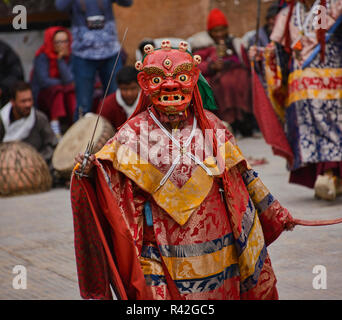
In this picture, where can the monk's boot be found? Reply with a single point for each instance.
(325, 187)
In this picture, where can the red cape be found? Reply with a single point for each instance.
(268, 122)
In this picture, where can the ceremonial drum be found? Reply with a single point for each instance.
(75, 140)
(22, 170)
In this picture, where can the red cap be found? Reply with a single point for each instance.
(216, 18)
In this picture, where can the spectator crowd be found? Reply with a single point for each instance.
(72, 68)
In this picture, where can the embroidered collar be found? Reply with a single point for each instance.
(182, 149)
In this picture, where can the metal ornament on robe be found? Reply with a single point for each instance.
(90, 146)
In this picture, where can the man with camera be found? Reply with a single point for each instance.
(95, 46)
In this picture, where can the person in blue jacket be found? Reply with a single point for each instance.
(95, 46)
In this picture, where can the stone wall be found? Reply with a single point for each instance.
(181, 18)
(160, 18)
(154, 19)
(241, 14)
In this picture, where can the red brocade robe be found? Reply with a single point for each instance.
(203, 244)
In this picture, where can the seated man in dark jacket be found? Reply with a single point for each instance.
(11, 71)
(19, 121)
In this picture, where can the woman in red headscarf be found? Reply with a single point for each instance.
(224, 67)
(52, 80)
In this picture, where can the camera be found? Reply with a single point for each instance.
(95, 22)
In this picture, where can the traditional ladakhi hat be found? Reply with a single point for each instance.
(216, 18)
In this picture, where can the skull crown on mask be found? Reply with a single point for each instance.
(168, 76)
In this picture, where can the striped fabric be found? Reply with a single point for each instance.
(261, 196)
(211, 266)
(271, 214)
(211, 275)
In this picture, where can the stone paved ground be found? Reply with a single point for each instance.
(295, 253)
(37, 232)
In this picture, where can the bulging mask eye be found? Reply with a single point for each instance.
(183, 77)
(156, 80)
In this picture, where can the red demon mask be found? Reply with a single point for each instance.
(168, 76)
